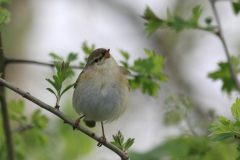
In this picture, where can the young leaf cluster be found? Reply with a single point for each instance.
(174, 22)
(118, 142)
(148, 72)
(71, 57)
(63, 72)
(224, 74)
(226, 128)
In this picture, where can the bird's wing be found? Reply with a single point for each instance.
(79, 77)
(124, 70)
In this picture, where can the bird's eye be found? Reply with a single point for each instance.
(96, 60)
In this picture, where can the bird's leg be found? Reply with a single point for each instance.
(103, 137)
(77, 122)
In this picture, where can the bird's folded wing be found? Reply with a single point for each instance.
(124, 70)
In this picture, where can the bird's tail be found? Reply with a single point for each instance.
(89, 123)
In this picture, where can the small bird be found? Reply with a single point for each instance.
(101, 91)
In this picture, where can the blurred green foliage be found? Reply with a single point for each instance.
(28, 129)
(226, 128)
(224, 74)
(4, 13)
(174, 22)
(148, 72)
(189, 148)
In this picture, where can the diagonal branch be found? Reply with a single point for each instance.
(58, 113)
(219, 33)
(23, 61)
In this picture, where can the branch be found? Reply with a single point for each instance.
(220, 35)
(11, 61)
(23, 128)
(58, 113)
(4, 109)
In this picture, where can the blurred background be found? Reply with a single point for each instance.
(38, 28)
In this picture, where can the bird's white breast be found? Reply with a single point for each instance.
(103, 97)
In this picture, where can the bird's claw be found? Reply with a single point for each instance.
(76, 124)
(103, 141)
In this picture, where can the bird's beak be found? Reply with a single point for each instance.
(107, 54)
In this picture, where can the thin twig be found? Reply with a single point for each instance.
(23, 128)
(220, 35)
(23, 61)
(58, 113)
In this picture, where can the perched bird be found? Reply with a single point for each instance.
(101, 91)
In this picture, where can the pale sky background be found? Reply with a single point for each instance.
(61, 26)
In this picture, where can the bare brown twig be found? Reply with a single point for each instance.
(23, 61)
(219, 33)
(23, 128)
(58, 113)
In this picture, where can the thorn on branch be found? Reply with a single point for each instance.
(25, 95)
(93, 134)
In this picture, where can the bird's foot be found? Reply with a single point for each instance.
(103, 138)
(76, 124)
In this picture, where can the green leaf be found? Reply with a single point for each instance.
(67, 88)
(153, 21)
(235, 109)
(238, 148)
(6, 13)
(58, 65)
(54, 56)
(119, 139)
(72, 57)
(174, 22)
(41, 139)
(6, 1)
(129, 143)
(58, 81)
(238, 158)
(224, 120)
(224, 74)
(236, 7)
(125, 64)
(117, 145)
(82, 64)
(125, 54)
(222, 130)
(3, 18)
(88, 50)
(55, 85)
(197, 11)
(39, 120)
(50, 90)
(17, 107)
(1, 74)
